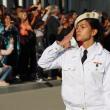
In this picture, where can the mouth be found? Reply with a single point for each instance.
(77, 34)
(78, 37)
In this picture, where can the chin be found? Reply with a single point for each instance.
(79, 39)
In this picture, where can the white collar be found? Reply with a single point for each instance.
(94, 49)
(91, 48)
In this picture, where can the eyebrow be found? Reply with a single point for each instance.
(82, 24)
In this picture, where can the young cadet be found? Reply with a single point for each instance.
(85, 70)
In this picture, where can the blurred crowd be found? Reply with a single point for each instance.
(25, 33)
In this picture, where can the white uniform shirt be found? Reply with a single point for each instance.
(84, 86)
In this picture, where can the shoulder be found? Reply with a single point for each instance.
(106, 51)
(106, 57)
(101, 50)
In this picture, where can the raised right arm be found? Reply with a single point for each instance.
(51, 57)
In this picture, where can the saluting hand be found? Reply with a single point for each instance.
(65, 43)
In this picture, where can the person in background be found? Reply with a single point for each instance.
(52, 25)
(1, 21)
(64, 27)
(40, 45)
(27, 58)
(85, 69)
(5, 70)
(106, 24)
(10, 30)
(51, 32)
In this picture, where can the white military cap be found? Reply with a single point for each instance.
(85, 15)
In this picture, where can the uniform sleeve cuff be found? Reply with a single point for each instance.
(58, 47)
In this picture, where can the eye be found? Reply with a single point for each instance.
(83, 26)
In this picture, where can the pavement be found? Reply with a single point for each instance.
(29, 86)
(32, 96)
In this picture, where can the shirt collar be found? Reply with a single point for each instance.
(96, 48)
(91, 48)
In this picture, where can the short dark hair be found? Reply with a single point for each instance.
(95, 24)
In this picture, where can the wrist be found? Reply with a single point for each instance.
(60, 43)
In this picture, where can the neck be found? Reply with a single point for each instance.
(87, 44)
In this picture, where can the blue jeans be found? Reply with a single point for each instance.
(5, 72)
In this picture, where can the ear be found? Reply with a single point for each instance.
(94, 32)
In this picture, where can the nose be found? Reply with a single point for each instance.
(78, 29)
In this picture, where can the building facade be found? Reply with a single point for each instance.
(67, 5)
